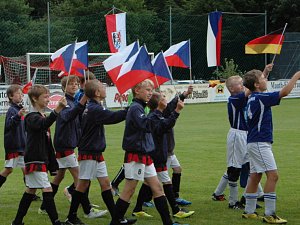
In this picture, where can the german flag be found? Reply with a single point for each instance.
(270, 43)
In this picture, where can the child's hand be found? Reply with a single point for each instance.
(22, 112)
(180, 106)
(162, 104)
(62, 103)
(83, 99)
(269, 67)
(189, 91)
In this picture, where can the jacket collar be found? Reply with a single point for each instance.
(69, 97)
(144, 104)
(18, 106)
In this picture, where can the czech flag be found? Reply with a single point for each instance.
(213, 43)
(179, 55)
(270, 43)
(113, 64)
(27, 86)
(116, 31)
(137, 69)
(72, 55)
(161, 70)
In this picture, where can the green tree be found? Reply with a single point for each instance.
(13, 18)
(229, 69)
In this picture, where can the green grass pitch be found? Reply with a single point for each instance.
(200, 135)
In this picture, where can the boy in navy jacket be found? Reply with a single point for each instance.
(138, 144)
(67, 134)
(39, 154)
(91, 146)
(14, 133)
(173, 161)
(162, 127)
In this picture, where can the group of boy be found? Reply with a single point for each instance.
(249, 144)
(146, 142)
(80, 123)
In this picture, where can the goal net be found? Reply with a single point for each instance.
(21, 69)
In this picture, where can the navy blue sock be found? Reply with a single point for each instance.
(76, 200)
(161, 205)
(176, 177)
(48, 200)
(23, 207)
(2, 180)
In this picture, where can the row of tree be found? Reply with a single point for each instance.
(279, 11)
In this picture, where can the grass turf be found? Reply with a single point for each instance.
(201, 148)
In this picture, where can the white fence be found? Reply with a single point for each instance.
(202, 94)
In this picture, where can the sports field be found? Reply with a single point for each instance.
(201, 148)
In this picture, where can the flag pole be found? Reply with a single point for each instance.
(172, 80)
(190, 61)
(71, 64)
(157, 82)
(279, 43)
(113, 10)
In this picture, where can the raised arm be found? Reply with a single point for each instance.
(107, 117)
(288, 88)
(68, 114)
(268, 69)
(163, 125)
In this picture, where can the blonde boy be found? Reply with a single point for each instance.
(138, 144)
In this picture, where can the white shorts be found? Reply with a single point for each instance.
(237, 154)
(91, 169)
(261, 157)
(139, 171)
(163, 176)
(37, 180)
(69, 161)
(172, 162)
(15, 162)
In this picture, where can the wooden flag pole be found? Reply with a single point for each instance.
(279, 43)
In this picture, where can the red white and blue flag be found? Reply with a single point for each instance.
(179, 55)
(113, 64)
(116, 31)
(161, 70)
(137, 69)
(71, 59)
(214, 34)
(27, 86)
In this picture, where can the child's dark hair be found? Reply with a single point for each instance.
(36, 91)
(88, 76)
(91, 87)
(153, 102)
(11, 90)
(251, 78)
(68, 79)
